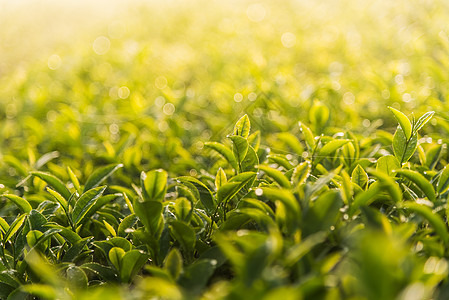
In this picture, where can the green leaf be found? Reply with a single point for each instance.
(432, 156)
(346, 188)
(183, 209)
(196, 276)
(24, 206)
(100, 175)
(54, 182)
(276, 175)
(74, 180)
(106, 273)
(7, 278)
(150, 214)
(231, 188)
(115, 256)
(32, 237)
(109, 228)
(443, 181)
(434, 219)
(423, 120)
(402, 148)
(173, 263)
(423, 184)
(223, 151)
(131, 263)
(220, 179)
(183, 234)
(331, 146)
(205, 194)
(36, 220)
(388, 184)
(76, 277)
(308, 136)
(240, 147)
(99, 203)
(15, 226)
(285, 196)
(42, 291)
(58, 197)
(75, 250)
(4, 226)
(292, 141)
(254, 140)
(242, 127)
(44, 159)
(71, 236)
(403, 121)
(281, 160)
(300, 173)
(44, 237)
(154, 185)
(128, 222)
(359, 176)
(250, 161)
(121, 243)
(323, 213)
(295, 253)
(365, 198)
(318, 114)
(387, 164)
(85, 202)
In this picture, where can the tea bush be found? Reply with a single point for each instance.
(339, 219)
(269, 154)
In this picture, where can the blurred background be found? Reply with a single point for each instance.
(148, 82)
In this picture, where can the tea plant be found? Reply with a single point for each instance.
(340, 219)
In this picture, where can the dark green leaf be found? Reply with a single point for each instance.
(196, 276)
(150, 214)
(434, 219)
(15, 226)
(423, 184)
(76, 277)
(132, 262)
(205, 194)
(85, 202)
(183, 234)
(128, 222)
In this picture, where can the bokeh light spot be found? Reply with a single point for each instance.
(288, 39)
(101, 45)
(54, 62)
(168, 109)
(123, 92)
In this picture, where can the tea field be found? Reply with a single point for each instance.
(288, 149)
